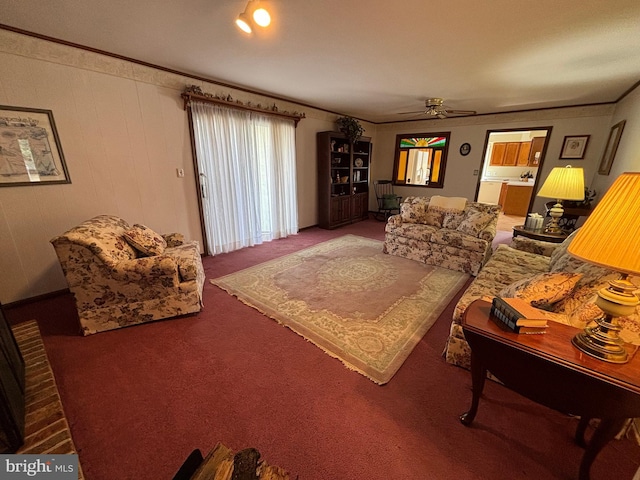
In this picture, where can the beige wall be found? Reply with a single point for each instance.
(460, 179)
(124, 133)
(627, 158)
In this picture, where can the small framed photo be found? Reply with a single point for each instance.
(574, 147)
(30, 151)
(611, 148)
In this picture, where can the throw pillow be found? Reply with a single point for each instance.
(145, 240)
(474, 222)
(452, 220)
(544, 289)
(390, 201)
(433, 218)
(414, 209)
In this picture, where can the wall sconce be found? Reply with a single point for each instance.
(254, 13)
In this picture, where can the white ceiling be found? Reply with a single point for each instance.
(371, 59)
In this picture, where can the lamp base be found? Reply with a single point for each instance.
(602, 341)
(555, 213)
(596, 343)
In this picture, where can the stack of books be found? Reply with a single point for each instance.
(518, 315)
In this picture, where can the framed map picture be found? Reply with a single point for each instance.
(30, 151)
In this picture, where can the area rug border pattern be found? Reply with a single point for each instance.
(455, 280)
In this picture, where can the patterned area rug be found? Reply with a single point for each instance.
(364, 307)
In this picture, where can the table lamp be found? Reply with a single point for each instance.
(610, 237)
(563, 183)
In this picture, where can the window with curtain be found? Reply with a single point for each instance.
(246, 163)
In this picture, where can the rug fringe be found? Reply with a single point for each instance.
(331, 354)
(372, 338)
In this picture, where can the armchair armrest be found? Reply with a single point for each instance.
(533, 246)
(488, 233)
(145, 268)
(395, 220)
(173, 239)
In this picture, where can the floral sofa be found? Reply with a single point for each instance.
(549, 278)
(455, 239)
(124, 275)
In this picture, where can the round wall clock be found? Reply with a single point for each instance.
(465, 148)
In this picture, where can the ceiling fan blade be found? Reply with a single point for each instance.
(411, 113)
(441, 115)
(460, 112)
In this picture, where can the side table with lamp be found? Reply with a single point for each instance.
(592, 373)
(563, 183)
(610, 238)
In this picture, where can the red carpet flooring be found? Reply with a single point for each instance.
(138, 400)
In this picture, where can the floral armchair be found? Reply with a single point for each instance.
(124, 275)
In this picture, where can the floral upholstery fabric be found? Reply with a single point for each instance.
(544, 289)
(114, 288)
(508, 265)
(414, 234)
(474, 222)
(145, 240)
(414, 210)
(525, 244)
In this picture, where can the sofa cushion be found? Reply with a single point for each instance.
(455, 238)
(145, 240)
(512, 258)
(474, 222)
(452, 220)
(562, 260)
(414, 231)
(543, 289)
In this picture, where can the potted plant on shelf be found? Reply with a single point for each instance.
(350, 127)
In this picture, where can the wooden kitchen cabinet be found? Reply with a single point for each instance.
(497, 154)
(514, 199)
(511, 154)
(503, 194)
(523, 154)
(535, 153)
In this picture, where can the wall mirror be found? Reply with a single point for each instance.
(421, 159)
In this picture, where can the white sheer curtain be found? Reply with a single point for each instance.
(247, 176)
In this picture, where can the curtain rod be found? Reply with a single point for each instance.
(195, 93)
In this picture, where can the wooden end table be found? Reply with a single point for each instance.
(549, 370)
(539, 234)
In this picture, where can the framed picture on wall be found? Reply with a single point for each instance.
(30, 151)
(611, 148)
(574, 147)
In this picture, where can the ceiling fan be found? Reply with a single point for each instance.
(434, 107)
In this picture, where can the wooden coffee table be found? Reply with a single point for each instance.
(549, 370)
(539, 234)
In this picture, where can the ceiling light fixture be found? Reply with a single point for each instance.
(254, 13)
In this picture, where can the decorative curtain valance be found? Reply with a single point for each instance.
(194, 92)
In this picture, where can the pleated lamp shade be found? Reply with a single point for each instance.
(610, 237)
(564, 183)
